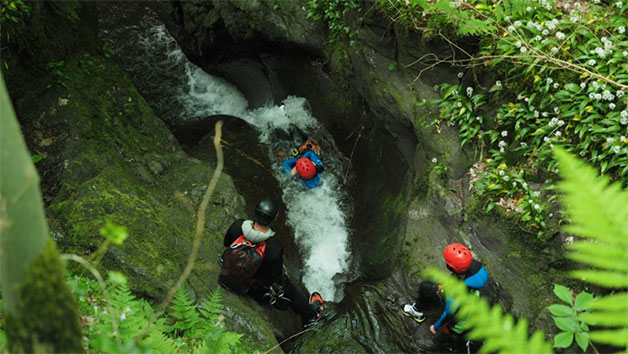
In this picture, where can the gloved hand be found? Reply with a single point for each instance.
(319, 168)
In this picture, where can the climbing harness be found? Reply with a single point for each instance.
(276, 296)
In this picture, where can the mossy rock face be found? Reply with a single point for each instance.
(117, 162)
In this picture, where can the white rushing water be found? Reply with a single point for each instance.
(185, 92)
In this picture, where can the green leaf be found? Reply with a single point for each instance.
(561, 310)
(116, 277)
(36, 158)
(568, 324)
(114, 233)
(583, 301)
(563, 340)
(563, 293)
(582, 338)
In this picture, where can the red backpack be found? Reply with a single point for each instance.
(240, 262)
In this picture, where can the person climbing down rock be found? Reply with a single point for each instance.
(461, 263)
(307, 165)
(253, 265)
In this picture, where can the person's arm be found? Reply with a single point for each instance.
(314, 158)
(445, 317)
(234, 231)
(289, 164)
(271, 270)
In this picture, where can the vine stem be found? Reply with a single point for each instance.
(82, 261)
(200, 227)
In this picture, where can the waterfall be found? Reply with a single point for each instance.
(180, 91)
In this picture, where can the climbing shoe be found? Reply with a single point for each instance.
(316, 300)
(410, 311)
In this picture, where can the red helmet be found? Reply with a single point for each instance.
(306, 168)
(458, 257)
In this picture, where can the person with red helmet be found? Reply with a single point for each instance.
(460, 262)
(307, 166)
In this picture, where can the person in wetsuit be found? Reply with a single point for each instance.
(270, 283)
(461, 263)
(307, 166)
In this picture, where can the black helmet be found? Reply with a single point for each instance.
(265, 211)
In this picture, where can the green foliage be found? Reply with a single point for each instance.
(334, 14)
(597, 212)
(498, 330)
(186, 328)
(561, 80)
(599, 215)
(114, 233)
(13, 11)
(570, 319)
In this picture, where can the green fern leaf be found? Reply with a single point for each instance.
(183, 310)
(597, 211)
(160, 343)
(608, 318)
(598, 277)
(600, 255)
(615, 337)
(618, 302)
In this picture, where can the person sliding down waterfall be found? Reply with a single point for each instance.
(253, 264)
(307, 165)
(461, 263)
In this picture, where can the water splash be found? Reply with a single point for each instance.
(180, 91)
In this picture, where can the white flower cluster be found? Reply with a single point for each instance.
(545, 4)
(556, 122)
(469, 91)
(607, 95)
(502, 146)
(624, 118)
(551, 25)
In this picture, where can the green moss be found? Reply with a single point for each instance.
(47, 317)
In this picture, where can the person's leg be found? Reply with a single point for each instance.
(300, 303)
(428, 296)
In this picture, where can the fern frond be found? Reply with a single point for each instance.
(473, 27)
(614, 337)
(597, 211)
(609, 318)
(212, 308)
(617, 302)
(160, 343)
(601, 255)
(499, 331)
(596, 208)
(183, 310)
(602, 278)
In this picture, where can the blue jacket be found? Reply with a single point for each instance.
(309, 183)
(475, 281)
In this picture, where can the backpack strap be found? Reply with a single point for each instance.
(260, 247)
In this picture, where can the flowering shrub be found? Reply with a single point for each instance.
(562, 79)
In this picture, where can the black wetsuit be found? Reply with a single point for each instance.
(271, 271)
